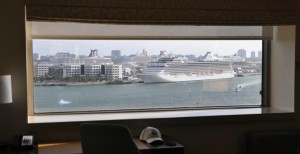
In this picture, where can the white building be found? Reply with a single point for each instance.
(113, 72)
(92, 70)
(42, 69)
(71, 70)
(126, 71)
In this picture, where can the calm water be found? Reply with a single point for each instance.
(140, 95)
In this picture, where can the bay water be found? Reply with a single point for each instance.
(107, 97)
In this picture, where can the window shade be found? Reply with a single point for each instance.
(69, 30)
(186, 12)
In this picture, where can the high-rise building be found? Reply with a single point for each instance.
(145, 52)
(63, 54)
(115, 54)
(259, 54)
(253, 54)
(35, 56)
(242, 53)
(45, 58)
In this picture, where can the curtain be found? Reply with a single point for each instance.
(165, 12)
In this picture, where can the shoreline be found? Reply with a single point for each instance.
(248, 74)
(46, 84)
(83, 83)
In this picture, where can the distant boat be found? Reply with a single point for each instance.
(238, 88)
(239, 75)
(63, 102)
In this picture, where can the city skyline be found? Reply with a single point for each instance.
(153, 47)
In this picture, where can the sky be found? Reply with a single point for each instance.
(153, 47)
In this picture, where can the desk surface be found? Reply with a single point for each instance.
(75, 147)
(11, 150)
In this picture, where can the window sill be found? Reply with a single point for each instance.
(256, 112)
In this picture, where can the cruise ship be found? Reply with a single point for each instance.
(169, 69)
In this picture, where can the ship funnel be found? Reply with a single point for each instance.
(93, 53)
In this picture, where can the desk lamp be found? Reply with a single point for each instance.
(5, 94)
(5, 89)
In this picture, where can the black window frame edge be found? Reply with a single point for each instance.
(266, 65)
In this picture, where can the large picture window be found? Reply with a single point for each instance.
(101, 75)
(74, 72)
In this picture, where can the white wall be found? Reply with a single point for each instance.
(282, 71)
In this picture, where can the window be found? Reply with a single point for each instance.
(146, 69)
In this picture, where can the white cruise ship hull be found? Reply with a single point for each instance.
(161, 77)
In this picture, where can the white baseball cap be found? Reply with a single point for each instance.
(150, 134)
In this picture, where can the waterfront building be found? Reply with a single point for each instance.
(71, 70)
(126, 71)
(56, 71)
(83, 60)
(91, 70)
(72, 66)
(42, 69)
(114, 72)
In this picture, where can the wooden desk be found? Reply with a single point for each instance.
(75, 148)
(11, 150)
(59, 148)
